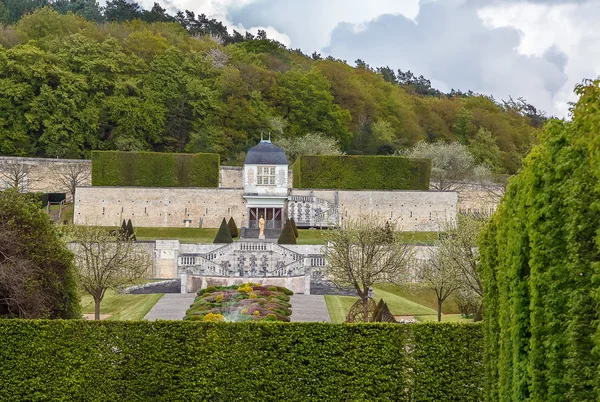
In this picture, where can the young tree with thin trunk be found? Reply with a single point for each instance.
(361, 254)
(458, 245)
(441, 275)
(106, 262)
(71, 175)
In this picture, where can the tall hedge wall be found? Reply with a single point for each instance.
(361, 172)
(154, 169)
(540, 265)
(187, 361)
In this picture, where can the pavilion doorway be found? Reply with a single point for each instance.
(273, 217)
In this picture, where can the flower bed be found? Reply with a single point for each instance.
(247, 302)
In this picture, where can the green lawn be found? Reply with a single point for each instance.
(184, 235)
(411, 300)
(67, 213)
(122, 307)
(310, 236)
(419, 237)
(418, 294)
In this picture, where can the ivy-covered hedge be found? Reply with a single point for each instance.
(154, 169)
(194, 361)
(539, 258)
(361, 172)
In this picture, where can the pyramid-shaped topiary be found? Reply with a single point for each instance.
(287, 235)
(223, 235)
(233, 229)
(293, 222)
(130, 233)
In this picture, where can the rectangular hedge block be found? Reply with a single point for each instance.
(79, 360)
(361, 172)
(154, 169)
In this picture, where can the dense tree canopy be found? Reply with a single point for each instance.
(37, 276)
(75, 77)
(540, 265)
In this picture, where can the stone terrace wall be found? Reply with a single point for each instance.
(409, 210)
(41, 173)
(157, 207)
(231, 177)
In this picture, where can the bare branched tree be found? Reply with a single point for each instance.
(16, 173)
(458, 246)
(106, 262)
(363, 253)
(71, 175)
(440, 274)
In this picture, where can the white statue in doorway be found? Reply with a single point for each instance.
(261, 228)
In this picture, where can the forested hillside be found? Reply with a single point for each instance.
(127, 79)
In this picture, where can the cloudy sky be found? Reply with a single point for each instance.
(538, 50)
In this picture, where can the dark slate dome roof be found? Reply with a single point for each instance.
(265, 153)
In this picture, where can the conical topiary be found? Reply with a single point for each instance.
(233, 229)
(287, 235)
(294, 227)
(223, 235)
(122, 234)
(130, 232)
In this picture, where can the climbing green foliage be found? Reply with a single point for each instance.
(249, 361)
(361, 172)
(539, 261)
(154, 169)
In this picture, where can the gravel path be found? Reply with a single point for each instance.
(309, 308)
(172, 306)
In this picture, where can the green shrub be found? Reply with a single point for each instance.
(233, 228)
(154, 169)
(197, 361)
(287, 235)
(539, 258)
(223, 235)
(293, 223)
(361, 172)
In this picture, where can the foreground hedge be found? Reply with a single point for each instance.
(361, 172)
(540, 261)
(185, 361)
(154, 169)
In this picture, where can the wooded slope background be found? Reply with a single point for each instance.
(75, 77)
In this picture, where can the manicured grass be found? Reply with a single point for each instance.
(184, 235)
(122, 307)
(314, 236)
(445, 318)
(338, 307)
(67, 213)
(310, 236)
(419, 237)
(419, 294)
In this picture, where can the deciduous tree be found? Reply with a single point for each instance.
(105, 262)
(71, 175)
(361, 253)
(37, 276)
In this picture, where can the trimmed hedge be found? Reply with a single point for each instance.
(361, 172)
(154, 169)
(540, 264)
(184, 361)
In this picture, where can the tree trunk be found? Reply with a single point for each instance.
(97, 301)
(478, 316)
(365, 303)
(440, 302)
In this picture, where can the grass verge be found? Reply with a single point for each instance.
(122, 307)
(184, 235)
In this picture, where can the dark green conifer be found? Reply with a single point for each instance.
(130, 233)
(233, 228)
(294, 227)
(287, 235)
(223, 235)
